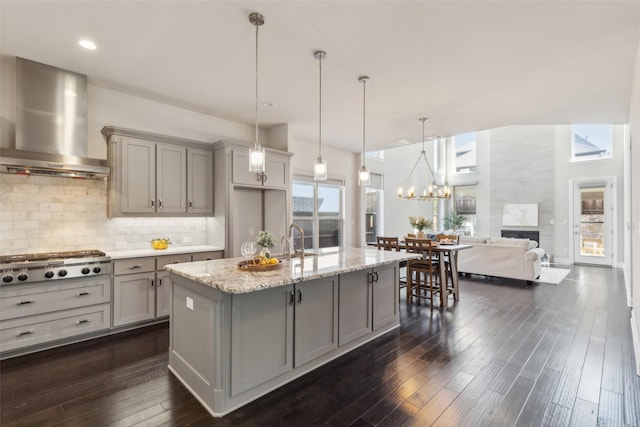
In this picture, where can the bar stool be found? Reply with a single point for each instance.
(393, 244)
(421, 282)
(455, 239)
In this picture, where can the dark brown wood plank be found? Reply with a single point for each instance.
(496, 357)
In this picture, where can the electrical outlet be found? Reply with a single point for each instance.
(186, 239)
(189, 303)
(251, 232)
(121, 245)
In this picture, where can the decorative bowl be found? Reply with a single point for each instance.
(160, 243)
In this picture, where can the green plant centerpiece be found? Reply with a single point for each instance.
(420, 223)
(266, 241)
(454, 221)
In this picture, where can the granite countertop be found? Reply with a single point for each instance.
(172, 250)
(224, 274)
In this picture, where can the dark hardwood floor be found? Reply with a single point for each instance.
(505, 354)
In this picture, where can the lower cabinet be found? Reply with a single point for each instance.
(41, 316)
(372, 297)
(385, 295)
(141, 288)
(316, 319)
(264, 342)
(355, 317)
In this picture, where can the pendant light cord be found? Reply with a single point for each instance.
(364, 116)
(320, 111)
(257, 141)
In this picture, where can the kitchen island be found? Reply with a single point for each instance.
(237, 335)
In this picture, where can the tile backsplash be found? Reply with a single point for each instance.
(43, 214)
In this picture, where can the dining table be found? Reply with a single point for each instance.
(443, 251)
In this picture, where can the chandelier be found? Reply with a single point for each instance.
(429, 192)
(256, 153)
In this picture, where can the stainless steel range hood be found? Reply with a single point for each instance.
(51, 125)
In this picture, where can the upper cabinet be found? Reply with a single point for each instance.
(276, 174)
(154, 175)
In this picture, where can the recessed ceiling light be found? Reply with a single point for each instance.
(267, 104)
(87, 44)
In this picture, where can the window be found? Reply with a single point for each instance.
(318, 209)
(591, 142)
(465, 159)
(373, 214)
(464, 199)
(375, 154)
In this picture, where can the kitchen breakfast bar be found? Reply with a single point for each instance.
(237, 335)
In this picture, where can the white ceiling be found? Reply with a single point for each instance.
(467, 66)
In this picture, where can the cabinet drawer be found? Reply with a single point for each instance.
(27, 300)
(172, 259)
(134, 265)
(205, 256)
(42, 328)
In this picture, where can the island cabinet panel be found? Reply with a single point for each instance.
(316, 319)
(355, 306)
(385, 296)
(261, 337)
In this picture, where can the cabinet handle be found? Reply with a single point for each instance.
(190, 204)
(82, 294)
(299, 297)
(153, 203)
(134, 267)
(259, 176)
(21, 334)
(152, 283)
(291, 298)
(159, 203)
(25, 302)
(375, 275)
(159, 282)
(264, 177)
(80, 322)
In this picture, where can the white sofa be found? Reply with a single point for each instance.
(501, 257)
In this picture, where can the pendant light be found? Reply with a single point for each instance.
(256, 154)
(320, 166)
(363, 173)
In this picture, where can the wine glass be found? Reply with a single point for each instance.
(247, 250)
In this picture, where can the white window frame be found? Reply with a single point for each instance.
(315, 218)
(579, 159)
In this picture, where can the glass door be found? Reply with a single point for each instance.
(592, 224)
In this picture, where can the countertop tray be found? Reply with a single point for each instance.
(242, 265)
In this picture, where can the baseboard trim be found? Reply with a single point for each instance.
(636, 341)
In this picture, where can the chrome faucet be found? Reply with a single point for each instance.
(293, 249)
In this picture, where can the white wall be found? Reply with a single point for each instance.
(634, 192)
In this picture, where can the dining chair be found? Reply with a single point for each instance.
(388, 243)
(393, 244)
(422, 273)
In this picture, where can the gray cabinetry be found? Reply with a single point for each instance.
(385, 296)
(316, 319)
(158, 175)
(199, 181)
(141, 287)
(171, 176)
(262, 201)
(275, 175)
(43, 315)
(261, 337)
(355, 316)
(137, 176)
